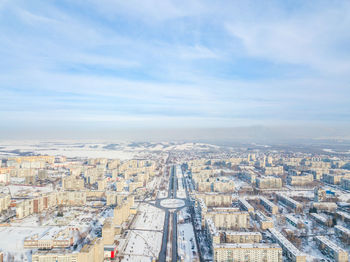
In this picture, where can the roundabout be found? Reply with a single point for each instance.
(172, 203)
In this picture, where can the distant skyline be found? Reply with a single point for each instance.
(103, 65)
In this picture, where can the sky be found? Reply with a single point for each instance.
(90, 65)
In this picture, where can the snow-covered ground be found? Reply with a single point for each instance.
(187, 247)
(149, 217)
(142, 245)
(25, 189)
(181, 191)
(98, 149)
(144, 240)
(11, 241)
(162, 194)
(172, 203)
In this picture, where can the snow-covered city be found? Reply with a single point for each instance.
(174, 202)
(174, 130)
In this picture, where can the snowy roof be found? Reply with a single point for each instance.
(245, 203)
(296, 203)
(285, 242)
(344, 214)
(318, 217)
(342, 229)
(246, 245)
(232, 233)
(330, 244)
(267, 202)
(292, 218)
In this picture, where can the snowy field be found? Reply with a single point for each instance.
(98, 149)
(149, 217)
(142, 245)
(144, 240)
(187, 247)
(181, 192)
(162, 194)
(11, 241)
(25, 189)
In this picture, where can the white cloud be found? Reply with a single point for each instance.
(310, 39)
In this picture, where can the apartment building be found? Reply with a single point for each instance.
(274, 170)
(4, 178)
(223, 186)
(72, 183)
(345, 183)
(215, 199)
(240, 237)
(247, 252)
(343, 216)
(92, 252)
(28, 207)
(46, 159)
(121, 185)
(71, 198)
(268, 182)
(229, 220)
(265, 222)
(320, 219)
(268, 205)
(332, 250)
(108, 232)
(244, 205)
(343, 233)
(301, 180)
(204, 186)
(334, 179)
(24, 208)
(248, 176)
(293, 220)
(54, 238)
(123, 211)
(5, 202)
(325, 206)
(289, 249)
(289, 202)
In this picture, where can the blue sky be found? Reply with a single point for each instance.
(163, 63)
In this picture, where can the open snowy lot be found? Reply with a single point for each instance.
(142, 245)
(11, 241)
(149, 217)
(187, 247)
(144, 240)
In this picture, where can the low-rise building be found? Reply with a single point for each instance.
(343, 233)
(244, 205)
(264, 221)
(54, 238)
(320, 219)
(5, 202)
(269, 206)
(332, 250)
(268, 182)
(240, 237)
(301, 180)
(325, 206)
(290, 250)
(289, 202)
(229, 220)
(247, 252)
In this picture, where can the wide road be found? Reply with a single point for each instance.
(162, 253)
(171, 194)
(191, 206)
